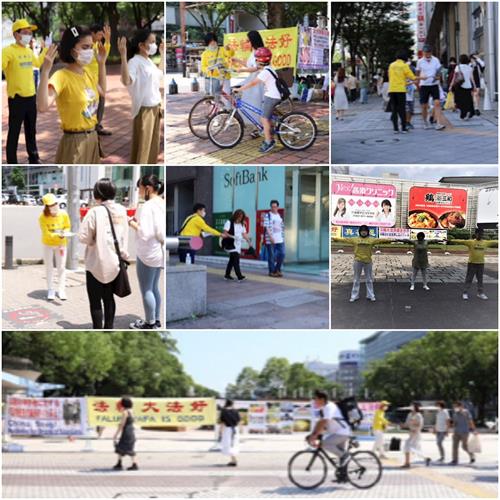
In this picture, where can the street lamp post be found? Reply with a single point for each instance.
(73, 200)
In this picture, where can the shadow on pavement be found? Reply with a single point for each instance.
(121, 323)
(42, 295)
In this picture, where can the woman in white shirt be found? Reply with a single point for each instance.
(463, 90)
(235, 232)
(386, 214)
(150, 238)
(101, 259)
(143, 80)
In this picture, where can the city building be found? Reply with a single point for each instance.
(348, 373)
(302, 192)
(455, 28)
(473, 185)
(381, 343)
(327, 370)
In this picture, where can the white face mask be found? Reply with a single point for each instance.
(26, 39)
(153, 48)
(85, 57)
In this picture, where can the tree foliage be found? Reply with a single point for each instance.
(373, 32)
(17, 178)
(106, 363)
(277, 380)
(442, 365)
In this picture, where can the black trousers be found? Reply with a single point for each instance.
(101, 297)
(398, 108)
(22, 110)
(234, 262)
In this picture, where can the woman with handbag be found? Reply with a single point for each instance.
(124, 446)
(104, 231)
(150, 238)
(234, 232)
(463, 86)
(230, 436)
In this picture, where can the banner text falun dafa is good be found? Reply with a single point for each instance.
(282, 42)
(153, 411)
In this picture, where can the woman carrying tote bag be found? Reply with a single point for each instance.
(104, 231)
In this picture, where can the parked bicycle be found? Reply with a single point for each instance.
(211, 104)
(308, 469)
(295, 130)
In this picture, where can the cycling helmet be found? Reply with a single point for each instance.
(263, 55)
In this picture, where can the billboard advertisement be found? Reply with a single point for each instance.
(394, 233)
(358, 203)
(487, 207)
(353, 232)
(154, 412)
(437, 208)
(46, 416)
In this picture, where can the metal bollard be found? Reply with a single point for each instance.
(9, 253)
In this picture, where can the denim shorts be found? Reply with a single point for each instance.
(268, 106)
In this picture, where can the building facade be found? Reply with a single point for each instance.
(348, 374)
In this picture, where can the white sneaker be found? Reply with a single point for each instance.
(465, 296)
(427, 125)
(62, 295)
(439, 127)
(412, 287)
(373, 299)
(426, 287)
(51, 295)
(353, 300)
(482, 296)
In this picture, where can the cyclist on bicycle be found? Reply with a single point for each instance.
(272, 96)
(335, 430)
(215, 62)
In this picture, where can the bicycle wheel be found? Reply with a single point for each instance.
(307, 469)
(364, 469)
(297, 131)
(225, 130)
(200, 114)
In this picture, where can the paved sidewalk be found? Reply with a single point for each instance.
(25, 305)
(187, 465)
(442, 307)
(117, 119)
(366, 136)
(296, 301)
(186, 149)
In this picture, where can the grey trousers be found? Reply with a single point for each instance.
(414, 275)
(474, 270)
(463, 438)
(358, 268)
(335, 444)
(440, 436)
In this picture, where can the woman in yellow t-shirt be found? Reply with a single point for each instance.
(76, 92)
(54, 222)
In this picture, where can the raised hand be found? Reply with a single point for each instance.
(101, 53)
(107, 33)
(50, 57)
(122, 46)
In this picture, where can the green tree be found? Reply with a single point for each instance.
(17, 178)
(245, 386)
(274, 377)
(442, 365)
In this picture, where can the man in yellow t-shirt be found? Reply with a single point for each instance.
(363, 249)
(100, 33)
(18, 60)
(379, 425)
(195, 225)
(475, 266)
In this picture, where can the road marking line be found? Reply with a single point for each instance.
(293, 283)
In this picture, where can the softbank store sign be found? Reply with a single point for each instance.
(248, 188)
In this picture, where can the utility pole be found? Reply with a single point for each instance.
(73, 199)
(489, 57)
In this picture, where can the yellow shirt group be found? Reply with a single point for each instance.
(363, 247)
(77, 99)
(196, 225)
(17, 65)
(399, 73)
(476, 248)
(212, 57)
(51, 223)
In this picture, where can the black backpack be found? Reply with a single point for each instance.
(228, 243)
(280, 85)
(351, 411)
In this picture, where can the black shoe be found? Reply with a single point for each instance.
(427, 462)
(232, 464)
(118, 466)
(133, 467)
(243, 278)
(472, 460)
(35, 161)
(478, 113)
(158, 323)
(228, 278)
(142, 325)
(452, 463)
(101, 131)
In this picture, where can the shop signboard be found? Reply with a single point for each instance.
(336, 232)
(314, 45)
(283, 43)
(394, 233)
(437, 207)
(353, 232)
(46, 416)
(487, 207)
(358, 203)
(154, 412)
(430, 234)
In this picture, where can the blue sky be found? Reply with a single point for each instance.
(215, 358)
